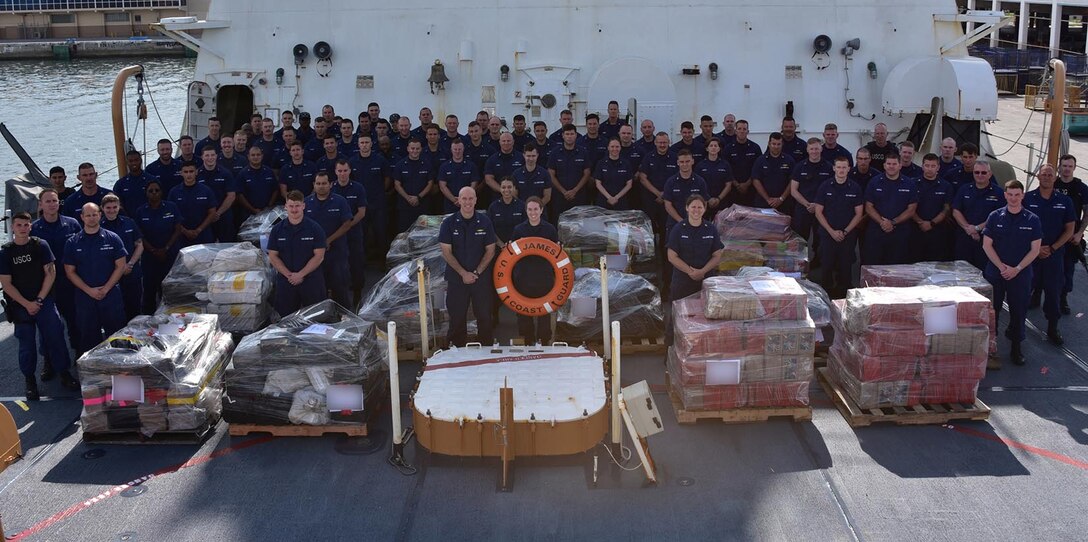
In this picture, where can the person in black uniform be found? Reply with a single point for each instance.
(1056, 215)
(839, 207)
(536, 329)
(296, 248)
(1011, 240)
(1077, 191)
(468, 245)
(27, 271)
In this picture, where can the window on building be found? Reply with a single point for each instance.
(62, 18)
(117, 17)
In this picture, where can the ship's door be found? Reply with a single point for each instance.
(234, 105)
(634, 80)
(547, 92)
(201, 108)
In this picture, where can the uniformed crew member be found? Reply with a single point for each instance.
(130, 188)
(132, 288)
(477, 149)
(27, 272)
(371, 169)
(680, 187)
(95, 260)
(413, 179)
(839, 207)
(544, 145)
(1011, 240)
(657, 167)
(1077, 191)
(964, 175)
(55, 229)
(358, 201)
(569, 167)
(533, 179)
(214, 128)
(972, 205)
(771, 177)
(880, 148)
(595, 145)
(533, 329)
(728, 134)
(296, 248)
(166, 169)
(832, 149)
(930, 238)
(197, 204)
(793, 146)
(718, 174)
(949, 162)
(88, 192)
(57, 178)
(890, 202)
(687, 141)
(160, 224)
(298, 174)
(230, 158)
(741, 153)
(1057, 218)
(694, 250)
(455, 174)
(647, 144)
(468, 245)
(506, 212)
(225, 188)
(614, 177)
(906, 158)
(332, 212)
(610, 126)
(863, 171)
(805, 181)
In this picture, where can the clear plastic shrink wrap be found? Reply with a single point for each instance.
(908, 346)
(232, 280)
(633, 300)
(420, 241)
(395, 297)
(158, 373)
(588, 232)
(259, 226)
(738, 222)
(320, 365)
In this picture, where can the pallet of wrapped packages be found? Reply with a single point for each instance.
(749, 223)
(633, 300)
(233, 280)
(789, 256)
(819, 306)
(395, 298)
(754, 298)
(624, 238)
(419, 241)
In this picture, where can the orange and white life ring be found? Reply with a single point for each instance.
(504, 276)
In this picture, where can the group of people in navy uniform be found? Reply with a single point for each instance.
(348, 187)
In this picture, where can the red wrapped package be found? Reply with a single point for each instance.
(910, 307)
(874, 368)
(749, 223)
(755, 298)
(954, 391)
(783, 394)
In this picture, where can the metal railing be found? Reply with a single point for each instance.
(48, 6)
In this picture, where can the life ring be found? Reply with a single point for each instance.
(504, 276)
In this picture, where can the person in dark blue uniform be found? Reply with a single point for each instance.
(595, 145)
(832, 149)
(965, 174)
(288, 138)
(647, 142)
(771, 177)
(1057, 218)
(706, 133)
(694, 250)
(718, 174)
(55, 229)
(132, 288)
(89, 192)
(268, 142)
(477, 149)
(566, 117)
(614, 178)
(402, 137)
(160, 224)
(95, 261)
(680, 187)
(533, 179)
(793, 146)
(544, 145)
(355, 194)
(629, 150)
(197, 204)
(166, 169)
(347, 145)
(1011, 240)
(450, 133)
(863, 172)
(455, 174)
(212, 139)
(1077, 191)
(27, 272)
(315, 147)
(931, 235)
(467, 239)
(657, 167)
(333, 213)
(413, 179)
(610, 126)
(728, 135)
(972, 205)
(230, 158)
(130, 188)
(949, 162)
(906, 157)
(327, 162)
(57, 178)
(506, 212)
(371, 170)
(890, 202)
(742, 154)
(533, 329)
(257, 185)
(225, 188)
(568, 166)
(687, 142)
(296, 248)
(499, 165)
(807, 178)
(839, 208)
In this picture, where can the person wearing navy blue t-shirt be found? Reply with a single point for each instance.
(906, 158)
(610, 126)
(1057, 218)
(533, 179)
(970, 208)
(680, 187)
(687, 142)
(130, 188)
(771, 177)
(614, 178)
(355, 194)
(595, 144)
(1011, 240)
(657, 167)
(807, 178)
(544, 145)
(55, 229)
(371, 170)
(1071, 186)
(257, 185)
(477, 149)
(839, 206)
(832, 149)
(793, 146)
(212, 139)
(890, 203)
(230, 158)
(94, 260)
(132, 288)
(718, 174)
(413, 179)
(197, 204)
(455, 174)
(166, 169)
(930, 239)
(327, 162)
(333, 213)
(296, 249)
(948, 160)
(160, 224)
(498, 166)
(694, 249)
(467, 239)
(225, 188)
(268, 142)
(568, 166)
(505, 212)
(89, 191)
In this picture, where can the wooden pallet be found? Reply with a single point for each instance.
(925, 414)
(415, 353)
(734, 415)
(635, 345)
(242, 429)
(196, 437)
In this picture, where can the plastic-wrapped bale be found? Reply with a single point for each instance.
(738, 222)
(420, 241)
(395, 297)
(722, 364)
(588, 232)
(789, 256)
(754, 298)
(234, 278)
(157, 374)
(240, 317)
(258, 227)
(909, 346)
(819, 303)
(321, 365)
(633, 300)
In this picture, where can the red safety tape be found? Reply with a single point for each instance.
(116, 490)
(1021, 446)
(509, 359)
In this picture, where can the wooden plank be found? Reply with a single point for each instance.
(162, 437)
(735, 415)
(240, 429)
(925, 414)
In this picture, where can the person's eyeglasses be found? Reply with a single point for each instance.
(982, 173)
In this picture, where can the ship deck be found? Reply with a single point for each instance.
(1019, 475)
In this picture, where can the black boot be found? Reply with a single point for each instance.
(32, 389)
(1036, 299)
(1065, 304)
(1053, 334)
(68, 381)
(1015, 355)
(47, 371)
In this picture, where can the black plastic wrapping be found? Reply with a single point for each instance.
(633, 300)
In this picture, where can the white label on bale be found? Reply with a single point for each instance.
(128, 388)
(768, 212)
(342, 397)
(722, 372)
(403, 276)
(321, 329)
(766, 286)
(616, 262)
(939, 320)
(942, 278)
(583, 307)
